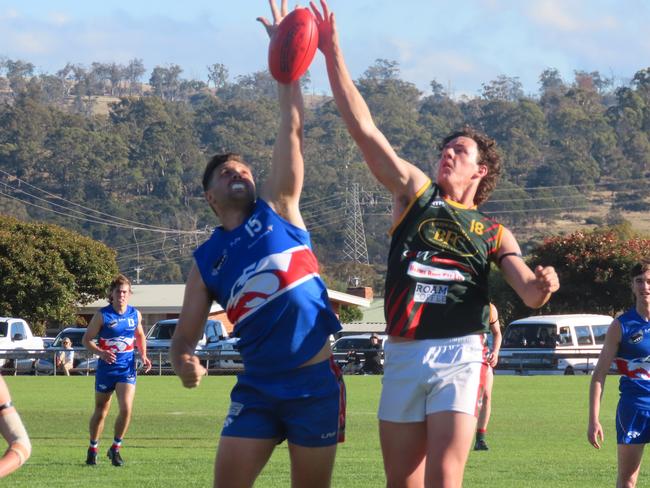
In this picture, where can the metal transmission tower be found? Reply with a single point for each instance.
(354, 247)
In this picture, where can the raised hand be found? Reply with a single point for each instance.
(278, 15)
(327, 36)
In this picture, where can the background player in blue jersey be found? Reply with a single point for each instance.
(437, 293)
(118, 329)
(628, 343)
(258, 264)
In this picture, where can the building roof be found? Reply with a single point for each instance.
(347, 299)
(372, 321)
(161, 299)
(375, 312)
(360, 327)
(151, 299)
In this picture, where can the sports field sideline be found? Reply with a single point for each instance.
(537, 435)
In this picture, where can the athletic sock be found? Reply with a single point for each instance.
(93, 446)
(117, 443)
(480, 434)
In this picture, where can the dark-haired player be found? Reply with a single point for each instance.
(436, 305)
(260, 267)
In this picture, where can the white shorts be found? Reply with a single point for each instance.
(422, 377)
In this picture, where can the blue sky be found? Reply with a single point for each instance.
(460, 43)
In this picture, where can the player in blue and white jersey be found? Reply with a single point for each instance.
(259, 265)
(118, 329)
(628, 344)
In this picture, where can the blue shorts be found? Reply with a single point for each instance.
(632, 424)
(306, 406)
(108, 375)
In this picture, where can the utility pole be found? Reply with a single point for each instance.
(354, 247)
(137, 270)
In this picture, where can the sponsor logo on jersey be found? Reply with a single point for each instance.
(116, 344)
(112, 324)
(430, 293)
(269, 278)
(636, 337)
(448, 236)
(417, 270)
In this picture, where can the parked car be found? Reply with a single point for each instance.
(83, 364)
(222, 354)
(214, 349)
(18, 346)
(348, 351)
(561, 344)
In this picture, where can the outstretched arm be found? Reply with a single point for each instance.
(400, 177)
(283, 187)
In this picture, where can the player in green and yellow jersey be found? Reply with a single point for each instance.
(437, 302)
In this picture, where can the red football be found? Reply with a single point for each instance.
(293, 46)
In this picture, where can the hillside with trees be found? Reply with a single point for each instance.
(129, 175)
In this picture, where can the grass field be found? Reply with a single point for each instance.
(537, 436)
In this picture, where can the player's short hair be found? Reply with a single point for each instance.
(119, 280)
(488, 156)
(640, 268)
(216, 161)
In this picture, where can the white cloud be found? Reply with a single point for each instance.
(30, 43)
(9, 14)
(58, 18)
(572, 16)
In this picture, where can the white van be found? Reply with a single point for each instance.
(553, 343)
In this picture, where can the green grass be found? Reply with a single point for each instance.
(537, 435)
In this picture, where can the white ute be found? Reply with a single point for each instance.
(16, 335)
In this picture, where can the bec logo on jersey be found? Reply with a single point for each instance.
(268, 278)
(447, 235)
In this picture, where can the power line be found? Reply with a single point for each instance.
(88, 214)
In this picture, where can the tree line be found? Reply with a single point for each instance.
(131, 179)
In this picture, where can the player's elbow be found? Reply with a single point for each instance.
(13, 431)
(534, 298)
(25, 448)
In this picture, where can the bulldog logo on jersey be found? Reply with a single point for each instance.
(267, 279)
(636, 369)
(116, 344)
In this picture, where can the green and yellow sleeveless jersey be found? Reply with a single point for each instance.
(438, 267)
